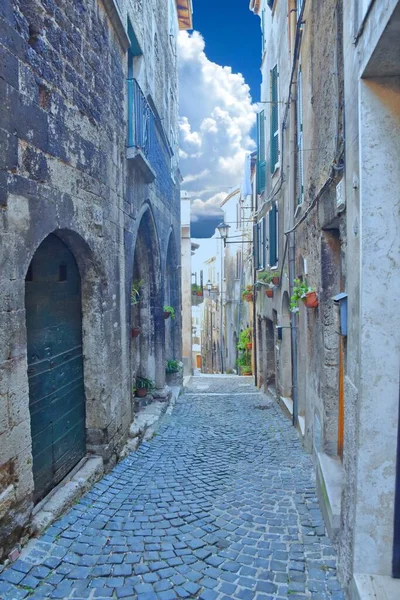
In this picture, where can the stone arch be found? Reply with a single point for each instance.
(285, 358)
(172, 298)
(147, 350)
(90, 284)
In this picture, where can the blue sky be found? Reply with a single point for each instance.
(218, 62)
(232, 36)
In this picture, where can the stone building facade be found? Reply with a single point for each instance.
(89, 200)
(327, 142)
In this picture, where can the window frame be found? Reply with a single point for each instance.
(274, 120)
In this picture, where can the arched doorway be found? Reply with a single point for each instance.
(55, 363)
(171, 298)
(285, 357)
(147, 350)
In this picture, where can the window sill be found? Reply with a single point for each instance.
(329, 490)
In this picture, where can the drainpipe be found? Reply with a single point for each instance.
(292, 201)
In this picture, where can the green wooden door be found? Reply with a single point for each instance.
(55, 364)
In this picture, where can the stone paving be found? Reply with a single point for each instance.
(219, 505)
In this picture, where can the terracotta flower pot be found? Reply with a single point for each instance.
(269, 293)
(311, 300)
(249, 346)
(199, 293)
(141, 392)
(248, 297)
(247, 373)
(166, 314)
(275, 280)
(136, 331)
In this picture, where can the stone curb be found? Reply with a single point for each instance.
(89, 471)
(147, 420)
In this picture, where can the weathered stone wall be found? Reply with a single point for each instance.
(321, 238)
(63, 164)
(372, 92)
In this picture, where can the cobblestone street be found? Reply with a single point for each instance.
(220, 504)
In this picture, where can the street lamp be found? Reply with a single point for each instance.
(223, 231)
(209, 287)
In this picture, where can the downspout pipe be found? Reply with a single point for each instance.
(292, 202)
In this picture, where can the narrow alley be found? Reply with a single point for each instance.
(220, 504)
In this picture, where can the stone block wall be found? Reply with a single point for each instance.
(63, 69)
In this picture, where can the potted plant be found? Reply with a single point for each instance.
(136, 331)
(248, 294)
(172, 366)
(276, 276)
(301, 291)
(143, 386)
(249, 345)
(269, 292)
(270, 276)
(311, 299)
(168, 311)
(137, 285)
(245, 337)
(197, 290)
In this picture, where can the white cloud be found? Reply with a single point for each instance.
(217, 117)
(208, 208)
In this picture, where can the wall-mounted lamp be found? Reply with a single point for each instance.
(223, 231)
(209, 287)
(340, 301)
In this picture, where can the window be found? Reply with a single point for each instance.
(238, 273)
(299, 7)
(274, 149)
(300, 145)
(260, 244)
(273, 236)
(270, 3)
(238, 215)
(261, 163)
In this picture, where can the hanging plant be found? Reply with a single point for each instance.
(248, 294)
(303, 292)
(168, 311)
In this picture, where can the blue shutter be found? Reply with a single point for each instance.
(274, 119)
(261, 164)
(255, 245)
(273, 236)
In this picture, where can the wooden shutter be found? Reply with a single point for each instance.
(255, 245)
(261, 152)
(274, 147)
(273, 236)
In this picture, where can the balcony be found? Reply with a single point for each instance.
(142, 138)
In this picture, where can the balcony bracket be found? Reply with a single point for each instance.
(137, 156)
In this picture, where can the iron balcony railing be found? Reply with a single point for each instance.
(141, 120)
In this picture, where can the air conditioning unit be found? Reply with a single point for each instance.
(340, 197)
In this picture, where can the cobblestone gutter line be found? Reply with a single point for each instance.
(219, 505)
